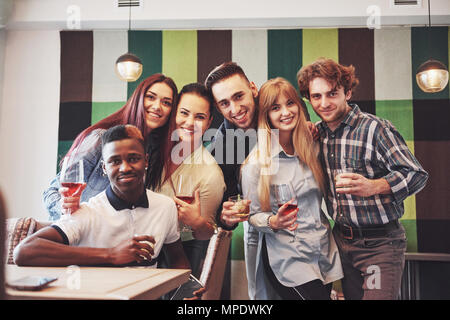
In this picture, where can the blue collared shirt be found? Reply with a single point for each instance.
(313, 254)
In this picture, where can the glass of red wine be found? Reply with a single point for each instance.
(185, 192)
(72, 177)
(284, 193)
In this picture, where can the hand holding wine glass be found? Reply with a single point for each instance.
(286, 216)
(189, 214)
(185, 192)
(235, 210)
(72, 185)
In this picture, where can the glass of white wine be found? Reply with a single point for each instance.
(240, 205)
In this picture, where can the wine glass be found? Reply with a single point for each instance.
(284, 193)
(72, 177)
(343, 183)
(185, 192)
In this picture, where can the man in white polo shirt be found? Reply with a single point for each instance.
(123, 225)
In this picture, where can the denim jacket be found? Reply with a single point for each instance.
(96, 181)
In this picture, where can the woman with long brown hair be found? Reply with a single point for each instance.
(296, 251)
(149, 109)
(185, 156)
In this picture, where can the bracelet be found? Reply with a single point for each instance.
(268, 224)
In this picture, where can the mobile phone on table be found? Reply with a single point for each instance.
(30, 283)
(187, 289)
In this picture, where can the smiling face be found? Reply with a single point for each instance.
(235, 99)
(193, 118)
(124, 164)
(284, 113)
(329, 103)
(157, 104)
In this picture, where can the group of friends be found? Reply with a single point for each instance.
(128, 213)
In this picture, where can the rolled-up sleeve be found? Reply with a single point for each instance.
(250, 178)
(51, 199)
(406, 176)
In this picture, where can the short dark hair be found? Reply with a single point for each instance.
(223, 71)
(121, 132)
(336, 74)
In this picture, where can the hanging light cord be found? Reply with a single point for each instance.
(429, 29)
(129, 14)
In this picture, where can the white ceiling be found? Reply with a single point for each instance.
(219, 14)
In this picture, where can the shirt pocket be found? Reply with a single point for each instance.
(356, 165)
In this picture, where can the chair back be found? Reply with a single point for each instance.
(215, 263)
(2, 246)
(17, 230)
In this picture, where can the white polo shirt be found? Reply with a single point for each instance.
(106, 220)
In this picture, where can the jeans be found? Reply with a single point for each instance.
(312, 290)
(373, 267)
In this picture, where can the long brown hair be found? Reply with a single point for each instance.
(133, 112)
(302, 140)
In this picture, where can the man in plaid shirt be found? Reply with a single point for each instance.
(371, 172)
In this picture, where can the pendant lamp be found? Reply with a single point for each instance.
(128, 66)
(432, 75)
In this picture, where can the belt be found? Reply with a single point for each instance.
(373, 231)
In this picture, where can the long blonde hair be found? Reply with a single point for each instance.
(304, 145)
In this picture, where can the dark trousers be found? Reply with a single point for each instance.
(373, 267)
(313, 290)
(195, 251)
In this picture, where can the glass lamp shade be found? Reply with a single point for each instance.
(432, 76)
(128, 67)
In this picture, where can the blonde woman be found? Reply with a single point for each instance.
(297, 257)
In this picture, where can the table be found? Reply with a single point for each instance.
(98, 283)
(410, 288)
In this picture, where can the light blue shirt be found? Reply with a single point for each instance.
(313, 254)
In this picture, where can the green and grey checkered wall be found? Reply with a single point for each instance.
(386, 61)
